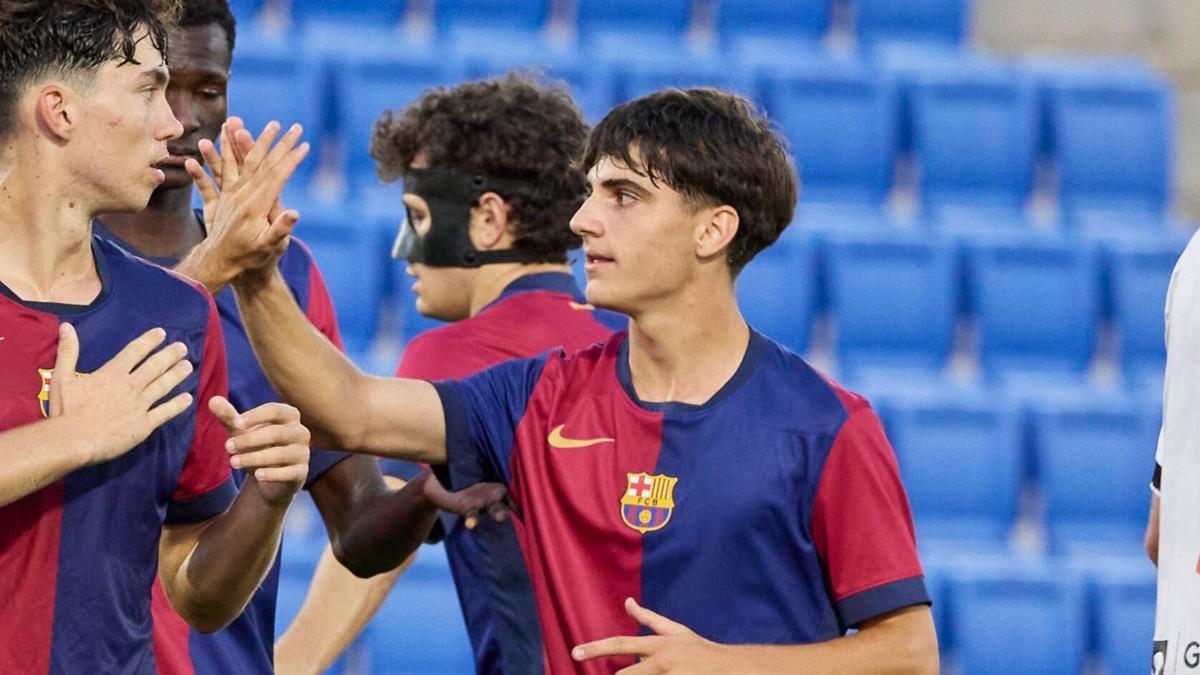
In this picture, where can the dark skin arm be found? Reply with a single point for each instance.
(373, 529)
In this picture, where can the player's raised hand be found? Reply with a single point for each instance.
(674, 648)
(121, 403)
(270, 443)
(491, 498)
(247, 226)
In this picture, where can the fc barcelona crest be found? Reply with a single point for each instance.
(648, 501)
(44, 393)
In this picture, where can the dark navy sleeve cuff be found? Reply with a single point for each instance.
(462, 460)
(874, 602)
(321, 461)
(202, 507)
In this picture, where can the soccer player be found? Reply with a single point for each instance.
(689, 478)
(110, 475)
(348, 490)
(491, 181)
(1173, 533)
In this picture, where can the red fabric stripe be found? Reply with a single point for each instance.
(570, 501)
(29, 539)
(207, 465)
(171, 654)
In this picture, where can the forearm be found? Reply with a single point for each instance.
(387, 529)
(306, 369)
(36, 455)
(907, 649)
(230, 558)
(337, 608)
(199, 264)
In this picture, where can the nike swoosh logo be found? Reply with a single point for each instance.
(557, 440)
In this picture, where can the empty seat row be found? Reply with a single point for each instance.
(967, 461)
(937, 21)
(977, 130)
(1068, 616)
(897, 300)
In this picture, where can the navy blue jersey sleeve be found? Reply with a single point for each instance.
(319, 462)
(482, 413)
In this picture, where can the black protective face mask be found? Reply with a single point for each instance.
(450, 194)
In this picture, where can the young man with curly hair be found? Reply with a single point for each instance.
(114, 466)
(491, 178)
(689, 494)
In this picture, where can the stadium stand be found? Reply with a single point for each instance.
(975, 227)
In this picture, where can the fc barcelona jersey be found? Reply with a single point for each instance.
(79, 556)
(771, 514)
(248, 644)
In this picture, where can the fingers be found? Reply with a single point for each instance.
(165, 383)
(208, 189)
(274, 177)
(231, 169)
(224, 411)
(64, 365)
(158, 364)
(281, 228)
(272, 457)
(268, 436)
(267, 413)
(498, 512)
(621, 645)
(260, 149)
(136, 351)
(161, 414)
(658, 623)
(296, 473)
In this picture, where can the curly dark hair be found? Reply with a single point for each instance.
(713, 148)
(204, 12)
(516, 126)
(72, 37)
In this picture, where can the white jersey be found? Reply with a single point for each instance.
(1177, 618)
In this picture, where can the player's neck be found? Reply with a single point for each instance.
(166, 228)
(45, 227)
(688, 349)
(491, 280)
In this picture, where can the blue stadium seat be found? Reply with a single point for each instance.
(1111, 136)
(1036, 304)
(633, 16)
(1140, 274)
(790, 20)
(378, 12)
(520, 15)
(591, 84)
(893, 299)
(961, 465)
(419, 629)
(1093, 464)
(993, 112)
(934, 21)
(814, 105)
(245, 10)
(349, 251)
(638, 79)
(284, 88)
(368, 87)
(1016, 621)
(776, 292)
(1125, 594)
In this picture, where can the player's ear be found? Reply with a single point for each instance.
(489, 223)
(715, 230)
(55, 111)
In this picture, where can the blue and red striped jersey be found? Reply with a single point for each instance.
(248, 644)
(771, 514)
(534, 313)
(79, 556)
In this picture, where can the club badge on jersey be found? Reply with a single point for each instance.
(648, 501)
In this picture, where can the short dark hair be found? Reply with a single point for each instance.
(204, 12)
(516, 126)
(713, 148)
(72, 37)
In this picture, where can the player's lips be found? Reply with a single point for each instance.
(176, 160)
(594, 261)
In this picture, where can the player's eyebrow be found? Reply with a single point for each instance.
(615, 184)
(157, 76)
